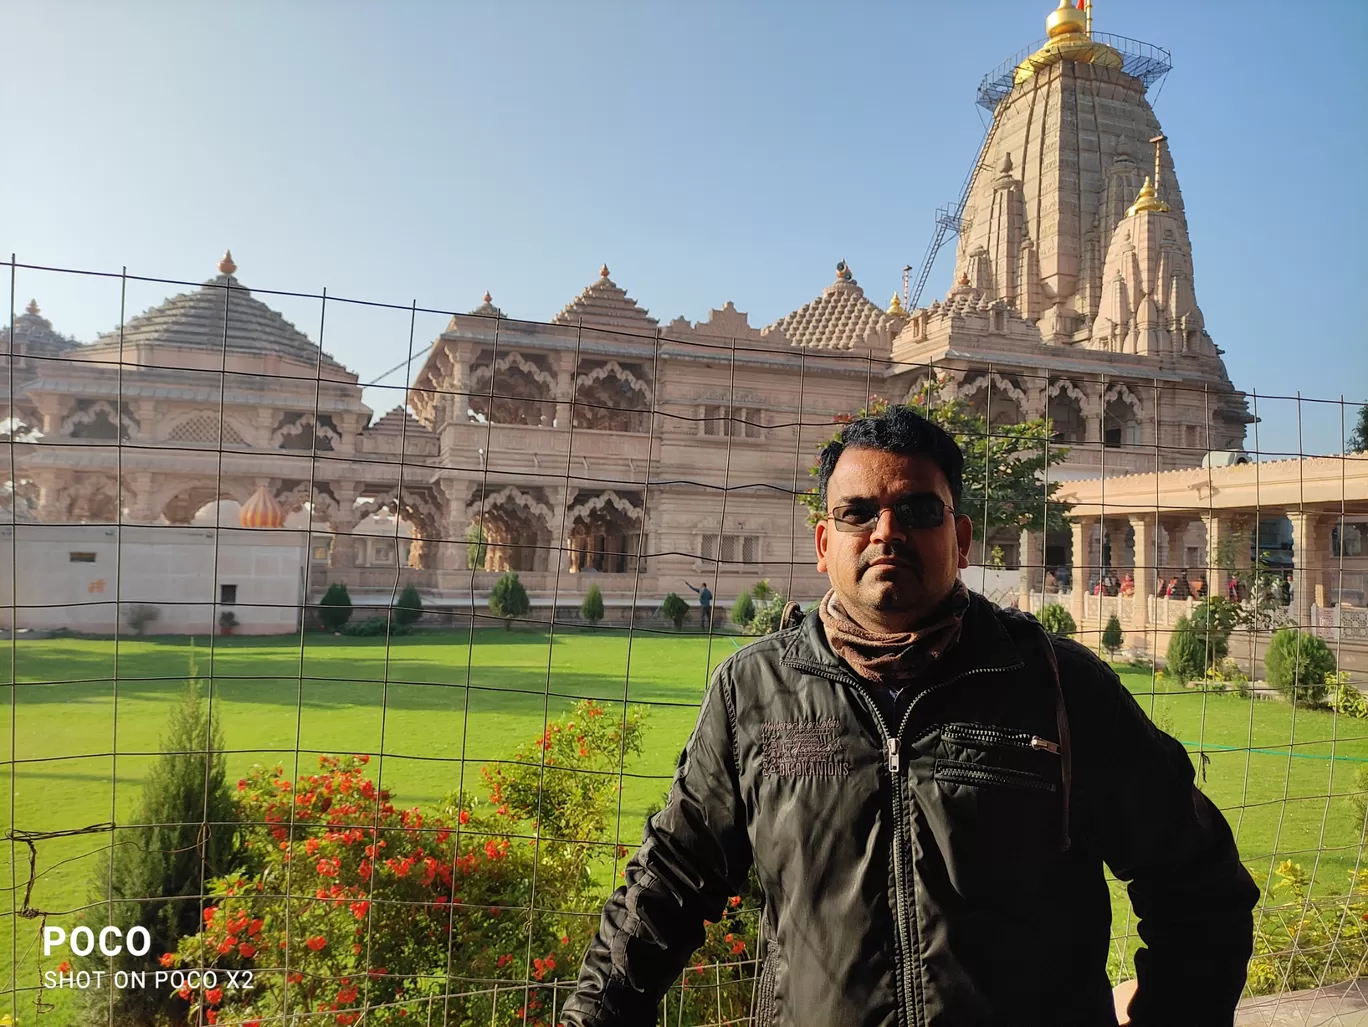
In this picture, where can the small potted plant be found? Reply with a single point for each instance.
(227, 622)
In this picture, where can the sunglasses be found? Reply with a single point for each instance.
(913, 513)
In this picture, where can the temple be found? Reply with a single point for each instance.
(608, 447)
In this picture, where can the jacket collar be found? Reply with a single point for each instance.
(984, 644)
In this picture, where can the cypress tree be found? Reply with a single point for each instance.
(182, 834)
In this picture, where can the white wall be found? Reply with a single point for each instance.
(179, 570)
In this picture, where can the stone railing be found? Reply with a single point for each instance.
(1340, 623)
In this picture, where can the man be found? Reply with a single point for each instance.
(928, 788)
(704, 604)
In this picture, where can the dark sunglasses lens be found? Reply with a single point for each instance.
(920, 512)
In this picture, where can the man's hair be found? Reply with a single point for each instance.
(898, 429)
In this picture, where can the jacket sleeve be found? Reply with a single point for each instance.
(694, 854)
(1191, 894)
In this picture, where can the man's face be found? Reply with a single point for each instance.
(890, 578)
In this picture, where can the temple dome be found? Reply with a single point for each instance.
(1067, 28)
(196, 319)
(33, 334)
(262, 510)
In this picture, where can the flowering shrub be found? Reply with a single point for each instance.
(353, 907)
(1309, 943)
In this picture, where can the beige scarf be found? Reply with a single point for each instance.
(891, 659)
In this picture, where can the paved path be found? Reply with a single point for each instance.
(1339, 1005)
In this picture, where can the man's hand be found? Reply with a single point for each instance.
(1121, 996)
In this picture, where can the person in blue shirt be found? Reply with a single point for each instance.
(704, 604)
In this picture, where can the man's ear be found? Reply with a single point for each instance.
(964, 535)
(820, 540)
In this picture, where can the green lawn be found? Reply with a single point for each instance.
(87, 715)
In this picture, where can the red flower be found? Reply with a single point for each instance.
(465, 816)
(254, 928)
(242, 784)
(346, 996)
(316, 943)
(64, 967)
(168, 959)
(246, 950)
(214, 996)
(209, 915)
(211, 1015)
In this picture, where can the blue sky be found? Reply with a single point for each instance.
(705, 151)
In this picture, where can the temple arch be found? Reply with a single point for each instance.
(605, 531)
(516, 530)
(611, 397)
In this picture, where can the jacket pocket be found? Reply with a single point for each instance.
(982, 775)
(990, 736)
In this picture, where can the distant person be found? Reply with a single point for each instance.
(1233, 590)
(704, 605)
(1051, 582)
(1162, 589)
(1201, 588)
(1128, 584)
(1064, 575)
(1180, 588)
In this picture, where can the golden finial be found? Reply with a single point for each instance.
(1065, 19)
(603, 271)
(488, 298)
(964, 278)
(32, 307)
(226, 265)
(1147, 200)
(895, 308)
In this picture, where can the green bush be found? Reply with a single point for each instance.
(768, 615)
(1296, 664)
(1112, 637)
(1057, 620)
(477, 545)
(1345, 699)
(1358, 799)
(335, 608)
(592, 607)
(409, 607)
(1185, 658)
(675, 609)
(376, 627)
(1212, 621)
(185, 834)
(743, 610)
(508, 599)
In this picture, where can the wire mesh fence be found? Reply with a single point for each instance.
(357, 718)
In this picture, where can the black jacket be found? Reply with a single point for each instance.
(942, 870)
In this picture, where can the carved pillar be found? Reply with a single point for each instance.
(1146, 542)
(1082, 571)
(1309, 542)
(1032, 563)
(1218, 539)
(565, 388)
(1116, 545)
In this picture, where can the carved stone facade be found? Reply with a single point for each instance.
(604, 447)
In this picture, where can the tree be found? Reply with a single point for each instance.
(1005, 469)
(508, 599)
(409, 607)
(477, 545)
(1297, 663)
(335, 608)
(675, 609)
(1185, 657)
(743, 610)
(1057, 620)
(185, 837)
(592, 607)
(1358, 438)
(1112, 637)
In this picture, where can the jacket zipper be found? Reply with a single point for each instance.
(998, 736)
(907, 949)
